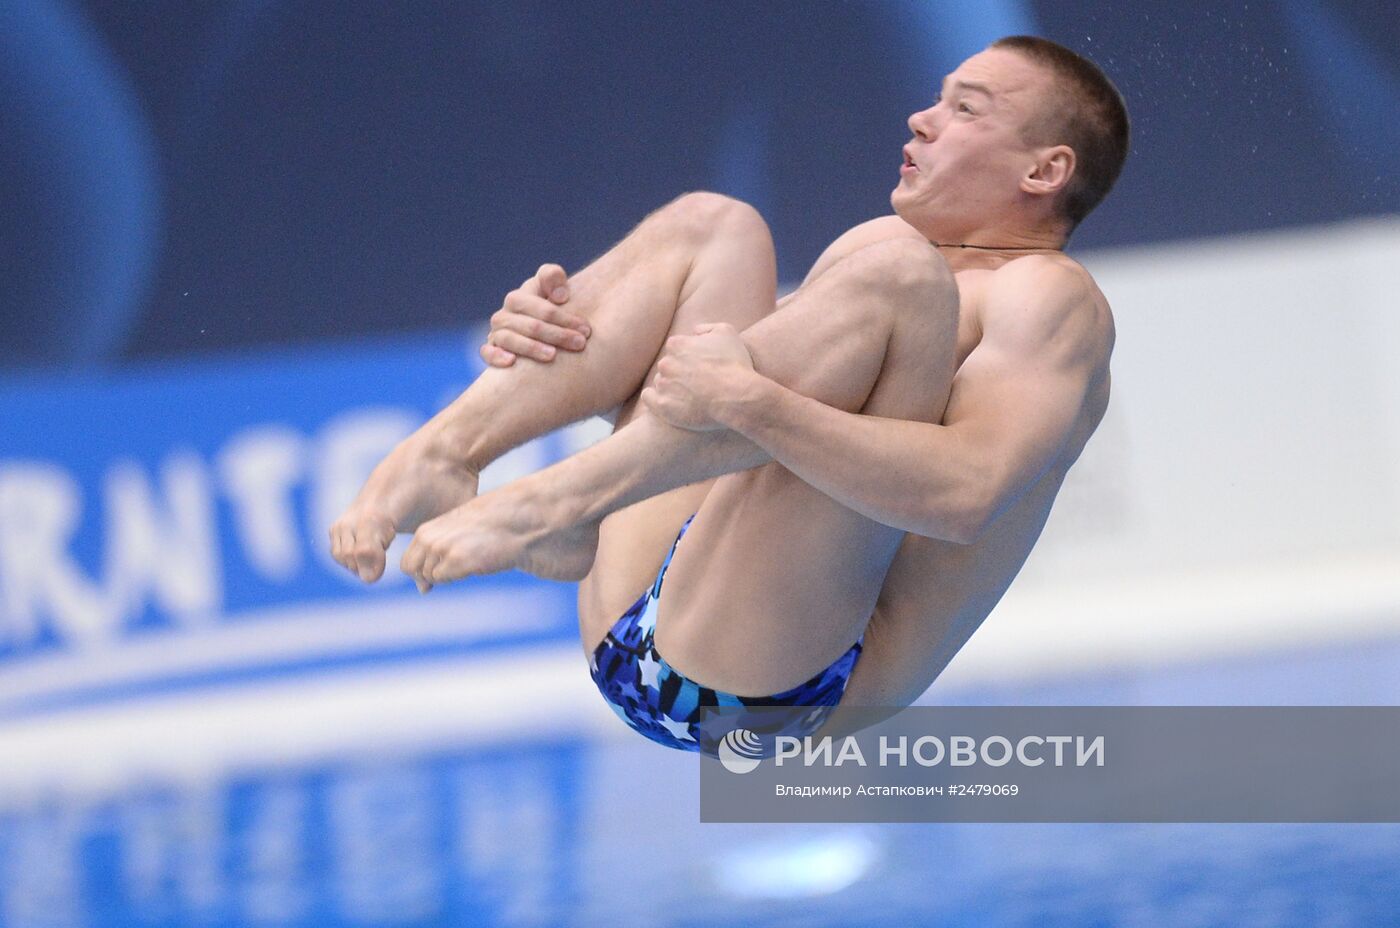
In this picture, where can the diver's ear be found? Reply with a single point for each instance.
(1051, 172)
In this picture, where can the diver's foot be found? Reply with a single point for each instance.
(506, 529)
(414, 483)
(567, 555)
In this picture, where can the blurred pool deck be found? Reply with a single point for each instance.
(601, 828)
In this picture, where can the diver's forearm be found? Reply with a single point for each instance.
(913, 476)
(646, 458)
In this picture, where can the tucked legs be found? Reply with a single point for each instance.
(702, 258)
(775, 578)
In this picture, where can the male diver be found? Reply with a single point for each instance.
(858, 471)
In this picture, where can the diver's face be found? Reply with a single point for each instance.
(968, 155)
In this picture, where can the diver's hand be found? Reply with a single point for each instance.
(532, 321)
(697, 375)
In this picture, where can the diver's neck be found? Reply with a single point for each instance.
(1011, 239)
(993, 245)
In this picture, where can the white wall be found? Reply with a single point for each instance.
(1244, 488)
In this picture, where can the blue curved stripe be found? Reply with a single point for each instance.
(83, 149)
(940, 33)
(1356, 88)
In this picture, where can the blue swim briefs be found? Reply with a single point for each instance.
(666, 706)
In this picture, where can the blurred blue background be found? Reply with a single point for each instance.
(249, 244)
(193, 177)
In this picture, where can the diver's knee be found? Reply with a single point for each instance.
(900, 266)
(702, 214)
(902, 275)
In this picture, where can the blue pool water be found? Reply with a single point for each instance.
(578, 832)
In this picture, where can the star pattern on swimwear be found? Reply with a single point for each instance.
(680, 729)
(636, 683)
(649, 671)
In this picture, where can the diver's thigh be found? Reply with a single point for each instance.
(773, 581)
(632, 544)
